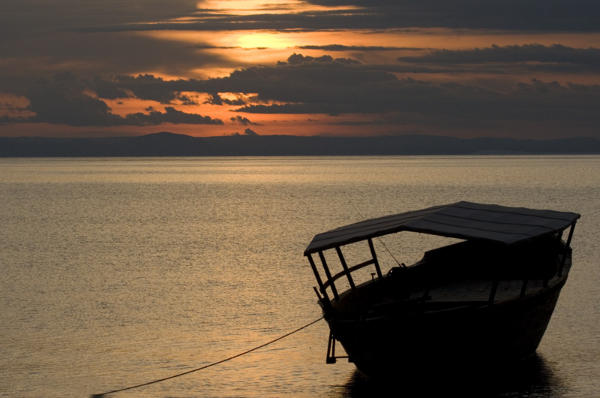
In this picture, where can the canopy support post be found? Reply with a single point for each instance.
(493, 292)
(330, 349)
(523, 288)
(345, 266)
(329, 277)
(318, 277)
(567, 247)
(375, 258)
(331, 357)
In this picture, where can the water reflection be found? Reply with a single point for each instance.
(532, 378)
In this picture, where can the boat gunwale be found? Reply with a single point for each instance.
(331, 313)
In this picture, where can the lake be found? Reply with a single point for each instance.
(117, 271)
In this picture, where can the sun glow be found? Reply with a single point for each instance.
(253, 7)
(264, 40)
(241, 6)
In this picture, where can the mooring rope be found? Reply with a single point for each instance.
(209, 365)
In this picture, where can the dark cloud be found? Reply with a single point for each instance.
(324, 85)
(22, 18)
(302, 21)
(298, 59)
(510, 54)
(505, 59)
(216, 99)
(340, 47)
(186, 100)
(528, 15)
(171, 115)
(523, 15)
(107, 89)
(247, 132)
(101, 54)
(307, 84)
(303, 78)
(63, 100)
(145, 87)
(244, 121)
(340, 88)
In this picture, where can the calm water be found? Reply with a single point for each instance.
(118, 271)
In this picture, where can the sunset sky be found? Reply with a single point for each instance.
(466, 68)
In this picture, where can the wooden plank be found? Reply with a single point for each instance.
(361, 265)
(351, 269)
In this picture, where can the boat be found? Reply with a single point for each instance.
(483, 300)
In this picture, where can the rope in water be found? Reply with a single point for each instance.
(209, 365)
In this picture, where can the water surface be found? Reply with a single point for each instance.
(118, 271)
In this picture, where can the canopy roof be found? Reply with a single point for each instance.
(463, 220)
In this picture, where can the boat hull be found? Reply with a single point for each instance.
(411, 339)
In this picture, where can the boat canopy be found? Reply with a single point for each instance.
(463, 220)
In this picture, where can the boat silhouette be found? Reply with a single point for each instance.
(480, 303)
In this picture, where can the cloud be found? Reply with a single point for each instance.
(101, 54)
(302, 79)
(326, 85)
(216, 99)
(145, 87)
(171, 115)
(14, 107)
(341, 88)
(186, 99)
(243, 121)
(528, 15)
(535, 57)
(22, 18)
(63, 100)
(247, 132)
(297, 59)
(340, 47)
(311, 85)
(108, 89)
(519, 15)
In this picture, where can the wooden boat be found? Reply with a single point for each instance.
(484, 300)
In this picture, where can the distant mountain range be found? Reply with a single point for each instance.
(169, 144)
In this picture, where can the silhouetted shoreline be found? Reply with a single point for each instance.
(169, 144)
